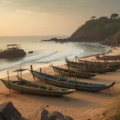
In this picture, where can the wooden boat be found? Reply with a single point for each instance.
(78, 67)
(71, 73)
(105, 57)
(26, 86)
(86, 70)
(12, 51)
(100, 64)
(91, 67)
(69, 83)
(110, 67)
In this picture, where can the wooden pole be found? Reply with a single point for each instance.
(68, 70)
(17, 73)
(75, 58)
(31, 67)
(76, 82)
(45, 74)
(20, 73)
(84, 64)
(8, 79)
(40, 70)
(62, 80)
(32, 71)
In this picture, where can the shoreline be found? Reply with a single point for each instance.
(79, 105)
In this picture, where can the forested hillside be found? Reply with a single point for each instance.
(103, 29)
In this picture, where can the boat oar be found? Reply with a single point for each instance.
(32, 71)
(8, 79)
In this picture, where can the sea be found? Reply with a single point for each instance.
(45, 53)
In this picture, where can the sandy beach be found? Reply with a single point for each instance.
(79, 105)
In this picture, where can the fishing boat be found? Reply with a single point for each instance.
(98, 63)
(106, 57)
(12, 51)
(91, 67)
(26, 86)
(78, 67)
(69, 83)
(71, 73)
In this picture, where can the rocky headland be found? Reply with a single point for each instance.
(104, 30)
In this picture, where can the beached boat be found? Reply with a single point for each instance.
(80, 68)
(106, 57)
(98, 63)
(71, 73)
(12, 51)
(69, 83)
(90, 67)
(26, 86)
(110, 67)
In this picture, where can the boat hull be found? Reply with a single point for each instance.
(35, 89)
(70, 73)
(68, 83)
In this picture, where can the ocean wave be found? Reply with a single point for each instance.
(4, 67)
(70, 54)
(37, 57)
(52, 59)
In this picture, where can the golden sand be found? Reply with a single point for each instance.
(79, 105)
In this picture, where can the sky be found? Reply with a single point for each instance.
(50, 17)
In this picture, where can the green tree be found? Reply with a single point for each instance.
(114, 16)
(93, 17)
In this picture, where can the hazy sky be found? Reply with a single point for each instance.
(50, 17)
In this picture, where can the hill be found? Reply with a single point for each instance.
(105, 30)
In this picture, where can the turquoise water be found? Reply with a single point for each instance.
(45, 53)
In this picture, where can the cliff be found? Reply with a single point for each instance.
(105, 30)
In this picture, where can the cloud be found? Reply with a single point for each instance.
(27, 11)
(7, 1)
(33, 12)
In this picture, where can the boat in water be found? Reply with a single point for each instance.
(12, 51)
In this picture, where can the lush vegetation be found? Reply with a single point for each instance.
(103, 29)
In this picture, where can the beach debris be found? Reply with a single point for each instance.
(9, 112)
(45, 115)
